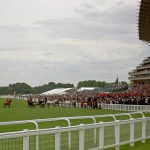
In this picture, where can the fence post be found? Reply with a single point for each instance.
(37, 136)
(81, 137)
(124, 108)
(117, 134)
(94, 131)
(120, 107)
(57, 138)
(131, 132)
(69, 133)
(26, 140)
(143, 129)
(127, 107)
(101, 136)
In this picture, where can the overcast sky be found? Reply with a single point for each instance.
(68, 41)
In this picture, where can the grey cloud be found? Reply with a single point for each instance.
(93, 23)
(120, 12)
(84, 29)
(9, 47)
(15, 28)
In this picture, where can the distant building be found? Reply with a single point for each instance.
(141, 75)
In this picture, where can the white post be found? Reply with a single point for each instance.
(117, 135)
(120, 107)
(37, 136)
(131, 132)
(136, 107)
(127, 107)
(26, 140)
(69, 133)
(57, 139)
(102, 105)
(131, 107)
(94, 134)
(143, 129)
(124, 107)
(101, 136)
(81, 137)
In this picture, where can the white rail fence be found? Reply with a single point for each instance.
(121, 107)
(108, 134)
(125, 107)
(98, 135)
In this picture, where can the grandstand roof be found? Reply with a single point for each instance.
(144, 21)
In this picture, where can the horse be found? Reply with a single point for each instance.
(67, 103)
(32, 103)
(53, 103)
(7, 103)
(42, 102)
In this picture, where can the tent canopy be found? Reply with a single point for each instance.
(59, 91)
(87, 89)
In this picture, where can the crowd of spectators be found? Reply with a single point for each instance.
(115, 98)
(92, 100)
(145, 89)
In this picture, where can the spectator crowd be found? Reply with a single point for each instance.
(91, 100)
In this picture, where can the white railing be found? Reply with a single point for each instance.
(108, 134)
(90, 136)
(124, 107)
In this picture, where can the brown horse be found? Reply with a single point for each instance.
(7, 103)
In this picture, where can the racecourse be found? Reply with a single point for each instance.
(19, 110)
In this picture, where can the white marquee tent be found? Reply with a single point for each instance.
(58, 91)
(87, 89)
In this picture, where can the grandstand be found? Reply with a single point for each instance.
(144, 21)
(140, 77)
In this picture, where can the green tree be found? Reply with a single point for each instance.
(91, 83)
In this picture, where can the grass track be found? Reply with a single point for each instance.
(20, 111)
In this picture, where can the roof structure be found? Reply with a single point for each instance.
(87, 89)
(144, 21)
(59, 91)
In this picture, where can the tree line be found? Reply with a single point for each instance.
(24, 88)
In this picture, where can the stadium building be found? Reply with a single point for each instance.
(141, 75)
(144, 21)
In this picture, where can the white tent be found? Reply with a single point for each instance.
(58, 91)
(86, 89)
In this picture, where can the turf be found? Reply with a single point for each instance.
(19, 110)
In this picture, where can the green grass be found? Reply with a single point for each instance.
(137, 146)
(20, 111)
